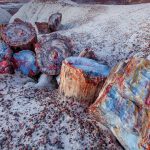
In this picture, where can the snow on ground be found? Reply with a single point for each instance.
(4, 16)
(43, 120)
(114, 32)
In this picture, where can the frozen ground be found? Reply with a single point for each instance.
(38, 119)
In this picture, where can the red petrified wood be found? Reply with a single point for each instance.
(20, 35)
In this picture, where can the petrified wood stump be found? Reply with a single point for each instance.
(19, 35)
(82, 78)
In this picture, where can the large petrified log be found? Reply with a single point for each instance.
(20, 35)
(124, 103)
(82, 78)
(50, 53)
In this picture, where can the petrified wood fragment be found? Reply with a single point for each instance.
(82, 78)
(124, 103)
(88, 53)
(20, 35)
(50, 53)
(54, 21)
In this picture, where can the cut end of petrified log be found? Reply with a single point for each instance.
(19, 35)
(82, 78)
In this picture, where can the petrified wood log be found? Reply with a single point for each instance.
(51, 52)
(54, 21)
(82, 78)
(19, 35)
(124, 103)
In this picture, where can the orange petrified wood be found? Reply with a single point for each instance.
(75, 82)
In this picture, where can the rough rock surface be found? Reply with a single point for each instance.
(40, 119)
(114, 32)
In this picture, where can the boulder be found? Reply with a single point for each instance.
(124, 103)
